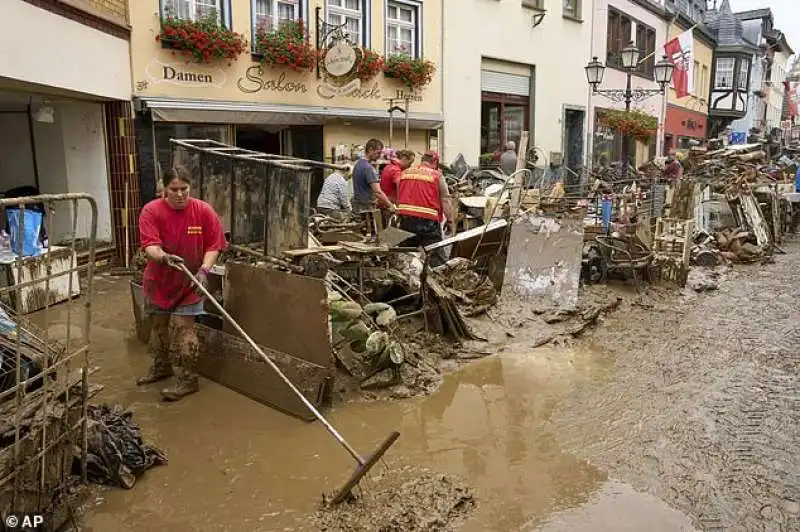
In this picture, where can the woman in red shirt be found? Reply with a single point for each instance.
(176, 229)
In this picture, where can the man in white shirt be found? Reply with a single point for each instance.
(334, 198)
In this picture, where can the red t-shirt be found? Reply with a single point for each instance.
(189, 233)
(390, 177)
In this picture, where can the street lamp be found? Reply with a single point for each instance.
(662, 73)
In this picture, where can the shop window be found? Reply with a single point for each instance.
(195, 9)
(403, 34)
(572, 9)
(352, 15)
(503, 118)
(744, 66)
(269, 14)
(723, 76)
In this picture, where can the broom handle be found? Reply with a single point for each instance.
(274, 367)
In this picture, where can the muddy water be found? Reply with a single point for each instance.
(238, 465)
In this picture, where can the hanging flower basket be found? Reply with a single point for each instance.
(370, 65)
(203, 41)
(636, 124)
(413, 73)
(287, 46)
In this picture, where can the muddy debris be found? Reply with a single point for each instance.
(402, 501)
(703, 279)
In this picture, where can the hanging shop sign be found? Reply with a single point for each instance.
(339, 67)
(158, 72)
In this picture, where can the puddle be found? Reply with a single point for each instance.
(237, 465)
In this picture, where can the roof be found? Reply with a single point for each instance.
(728, 28)
(780, 41)
(755, 14)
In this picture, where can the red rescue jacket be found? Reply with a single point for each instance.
(418, 193)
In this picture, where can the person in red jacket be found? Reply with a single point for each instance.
(176, 229)
(390, 176)
(422, 203)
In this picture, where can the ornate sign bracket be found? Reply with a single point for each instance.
(325, 30)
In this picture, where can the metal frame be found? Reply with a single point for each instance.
(60, 375)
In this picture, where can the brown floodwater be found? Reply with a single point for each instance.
(235, 464)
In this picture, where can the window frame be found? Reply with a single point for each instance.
(301, 11)
(502, 100)
(417, 35)
(742, 81)
(365, 13)
(644, 39)
(223, 10)
(732, 83)
(573, 14)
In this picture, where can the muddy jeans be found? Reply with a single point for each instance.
(173, 338)
(426, 232)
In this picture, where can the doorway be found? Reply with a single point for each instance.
(574, 139)
(307, 143)
(258, 139)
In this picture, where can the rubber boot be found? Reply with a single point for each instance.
(186, 383)
(186, 349)
(159, 351)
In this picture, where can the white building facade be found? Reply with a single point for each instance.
(616, 24)
(515, 65)
(54, 92)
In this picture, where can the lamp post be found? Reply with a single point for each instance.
(662, 72)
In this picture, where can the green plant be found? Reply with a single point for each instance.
(636, 124)
(286, 46)
(413, 73)
(370, 65)
(203, 40)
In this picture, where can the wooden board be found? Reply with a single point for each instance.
(230, 361)
(249, 203)
(215, 185)
(287, 313)
(287, 210)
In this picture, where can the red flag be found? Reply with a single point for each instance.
(680, 51)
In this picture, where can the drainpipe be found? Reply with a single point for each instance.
(589, 108)
(442, 144)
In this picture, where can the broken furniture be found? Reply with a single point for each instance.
(34, 268)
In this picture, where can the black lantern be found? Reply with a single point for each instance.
(663, 72)
(594, 72)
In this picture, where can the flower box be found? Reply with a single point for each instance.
(203, 41)
(370, 65)
(286, 46)
(413, 73)
(636, 124)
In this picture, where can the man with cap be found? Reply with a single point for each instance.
(423, 201)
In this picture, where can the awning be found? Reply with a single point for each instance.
(221, 112)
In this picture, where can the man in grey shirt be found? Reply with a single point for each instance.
(508, 161)
(366, 184)
(334, 198)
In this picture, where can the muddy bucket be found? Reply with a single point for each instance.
(140, 317)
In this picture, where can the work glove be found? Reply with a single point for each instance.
(202, 279)
(392, 208)
(173, 261)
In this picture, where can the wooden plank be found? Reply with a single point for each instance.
(287, 210)
(287, 313)
(310, 251)
(230, 361)
(250, 202)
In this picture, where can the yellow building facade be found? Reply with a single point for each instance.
(686, 118)
(323, 112)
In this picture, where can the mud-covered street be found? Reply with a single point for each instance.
(677, 412)
(702, 407)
